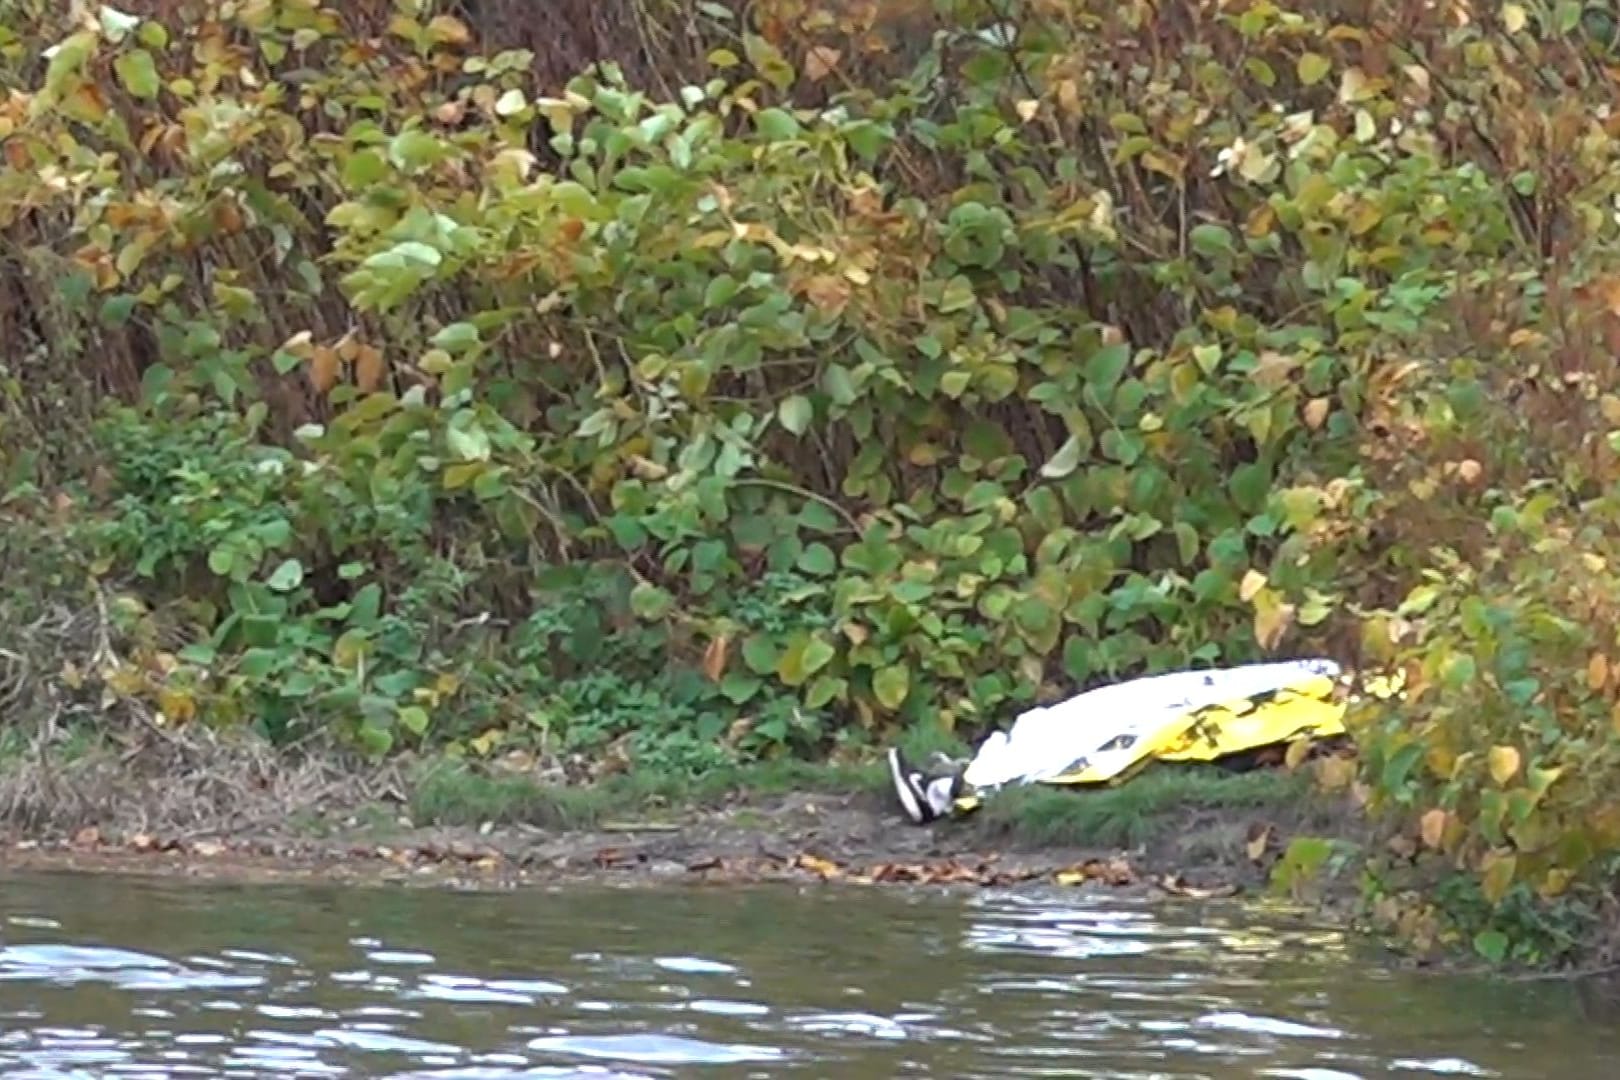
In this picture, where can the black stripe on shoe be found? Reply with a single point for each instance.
(909, 789)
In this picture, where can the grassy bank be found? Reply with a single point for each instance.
(228, 811)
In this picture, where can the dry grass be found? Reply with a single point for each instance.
(74, 754)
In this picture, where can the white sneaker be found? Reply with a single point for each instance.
(924, 798)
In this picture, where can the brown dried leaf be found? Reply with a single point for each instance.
(820, 61)
(1597, 671)
(369, 368)
(829, 292)
(715, 656)
(323, 368)
(1432, 826)
(1259, 839)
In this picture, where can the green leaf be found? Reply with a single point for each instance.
(1400, 765)
(222, 560)
(1065, 461)
(804, 657)
(1209, 240)
(1105, 367)
(650, 602)
(415, 149)
(720, 291)
(838, 384)
(1312, 68)
(1186, 542)
(414, 719)
(257, 663)
(138, 74)
(467, 442)
(288, 576)
(891, 684)
(457, 335)
(824, 690)
(772, 66)
(795, 413)
(1077, 663)
(818, 559)
(364, 168)
(776, 124)
(1492, 945)
(761, 655)
(738, 687)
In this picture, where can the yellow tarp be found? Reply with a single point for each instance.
(1309, 708)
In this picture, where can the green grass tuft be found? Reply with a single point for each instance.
(1148, 805)
(455, 793)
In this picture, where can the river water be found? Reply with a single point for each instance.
(116, 977)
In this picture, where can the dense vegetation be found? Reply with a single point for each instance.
(885, 369)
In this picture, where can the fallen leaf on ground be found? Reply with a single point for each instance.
(1111, 872)
(1259, 839)
(826, 868)
(89, 836)
(207, 848)
(1176, 885)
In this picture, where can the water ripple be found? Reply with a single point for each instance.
(114, 978)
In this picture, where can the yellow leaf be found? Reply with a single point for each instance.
(1297, 752)
(1513, 18)
(1503, 762)
(1272, 620)
(1597, 671)
(1433, 828)
(1253, 582)
(1027, 109)
(1556, 881)
(448, 30)
(1316, 411)
(1334, 773)
(824, 868)
(1497, 876)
